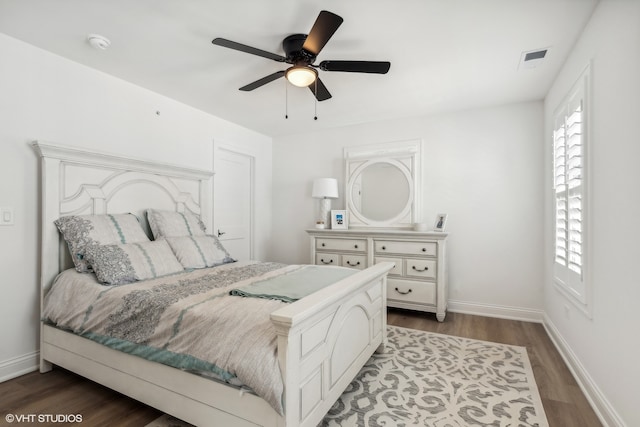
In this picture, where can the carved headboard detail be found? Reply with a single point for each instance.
(79, 182)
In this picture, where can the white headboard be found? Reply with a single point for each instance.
(78, 181)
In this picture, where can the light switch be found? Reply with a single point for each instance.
(6, 216)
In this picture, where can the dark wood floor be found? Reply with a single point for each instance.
(62, 392)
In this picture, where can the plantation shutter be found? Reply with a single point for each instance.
(569, 189)
(559, 156)
(574, 157)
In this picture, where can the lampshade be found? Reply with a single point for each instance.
(325, 188)
(301, 76)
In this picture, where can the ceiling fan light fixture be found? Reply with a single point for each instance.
(301, 75)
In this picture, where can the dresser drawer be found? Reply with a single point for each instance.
(354, 261)
(405, 248)
(357, 245)
(425, 268)
(327, 259)
(397, 269)
(411, 292)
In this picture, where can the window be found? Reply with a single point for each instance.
(569, 184)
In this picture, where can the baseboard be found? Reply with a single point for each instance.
(603, 409)
(20, 365)
(499, 311)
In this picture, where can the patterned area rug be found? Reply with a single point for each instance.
(434, 380)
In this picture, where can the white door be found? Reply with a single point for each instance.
(233, 201)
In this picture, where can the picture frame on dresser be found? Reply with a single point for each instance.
(441, 222)
(339, 219)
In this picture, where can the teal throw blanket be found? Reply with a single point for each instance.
(297, 284)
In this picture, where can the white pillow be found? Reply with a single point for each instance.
(199, 251)
(83, 231)
(120, 264)
(174, 224)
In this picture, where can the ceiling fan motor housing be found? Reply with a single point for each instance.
(292, 46)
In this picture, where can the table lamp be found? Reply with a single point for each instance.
(325, 189)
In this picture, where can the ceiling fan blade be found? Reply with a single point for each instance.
(322, 92)
(262, 81)
(377, 67)
(247, 49)
(326, 24)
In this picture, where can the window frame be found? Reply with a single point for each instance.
(574, 284)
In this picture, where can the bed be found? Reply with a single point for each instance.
(322, 339)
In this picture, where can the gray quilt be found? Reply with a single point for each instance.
(187, 320)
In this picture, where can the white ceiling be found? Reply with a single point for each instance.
(445, 54)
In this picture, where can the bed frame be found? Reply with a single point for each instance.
(323, 339)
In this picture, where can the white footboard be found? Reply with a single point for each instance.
(324, 340)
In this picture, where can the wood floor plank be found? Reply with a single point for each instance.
(63, 392)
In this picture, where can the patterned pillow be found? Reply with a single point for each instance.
(174, 224)
(199, 251)
(120, 264)
(83, 231)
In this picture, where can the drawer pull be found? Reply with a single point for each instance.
(424, 249)
(355, 246)
(384, 247)
(322, 245)
(424, 269)
(353, 265)
(403, 293)
(325, 262)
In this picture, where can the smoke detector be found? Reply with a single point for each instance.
(532, 58)
(98, 41)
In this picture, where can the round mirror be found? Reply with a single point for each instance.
(381, 192)
(383, 184)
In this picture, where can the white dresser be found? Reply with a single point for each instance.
(419, 279)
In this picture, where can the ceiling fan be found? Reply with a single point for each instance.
(301, 51)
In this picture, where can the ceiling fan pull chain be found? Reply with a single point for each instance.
(286, 100)
(315, 116)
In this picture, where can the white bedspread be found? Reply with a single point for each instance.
(187, 320)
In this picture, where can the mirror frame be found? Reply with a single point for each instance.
(403, 155)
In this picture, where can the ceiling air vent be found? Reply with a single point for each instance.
(532, 58)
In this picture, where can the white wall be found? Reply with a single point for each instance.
(46, 97)
(604, 349)
(483, 167)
